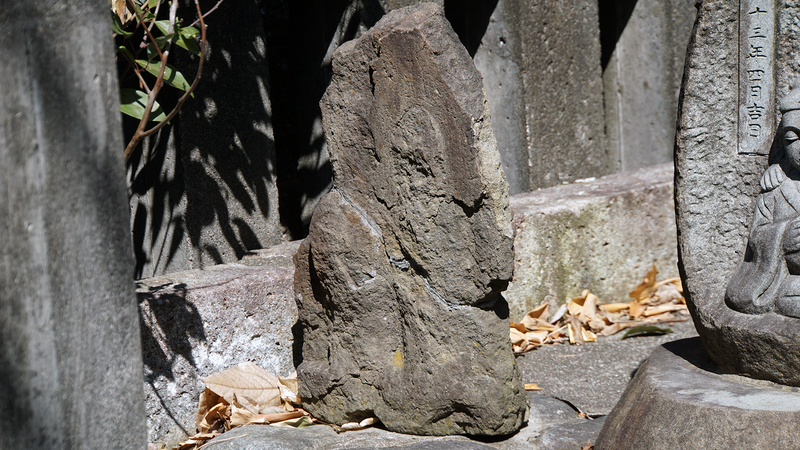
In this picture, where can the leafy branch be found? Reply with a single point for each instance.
(146, 46)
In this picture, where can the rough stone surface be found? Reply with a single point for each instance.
(679, 399)
(399, 282)
(602, 235)
(199, 322)
(208, 193)
(642, 77)
(715, 192)
(70, 358)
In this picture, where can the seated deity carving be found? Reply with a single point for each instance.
(768, 278)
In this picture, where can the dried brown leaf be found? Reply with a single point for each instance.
(517, 338)
(246, 379)
(589, 309)
(636, 309)
(645, 289)
(519, 327)
(614, 307)
(208, 399)
(575, 306)
(536, 337)
(655, 310)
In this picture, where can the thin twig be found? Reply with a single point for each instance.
(207, 13)
(140, 132)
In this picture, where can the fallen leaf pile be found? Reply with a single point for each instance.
(582, 319)
(243, 395)
(248, 395)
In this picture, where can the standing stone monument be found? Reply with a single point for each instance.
(70, 354)
(399, 284)
(737, 203)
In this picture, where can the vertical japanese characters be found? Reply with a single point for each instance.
(756, 76)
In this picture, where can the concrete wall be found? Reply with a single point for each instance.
(203, 192)
(642, 76)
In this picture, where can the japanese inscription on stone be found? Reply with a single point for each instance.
(756, 76)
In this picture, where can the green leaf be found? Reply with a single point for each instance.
(163, 26)
(126, 52)
(151, 4)
(188, 44)
(171, 75)
(116, 25)
(646, 330)
(189, 32)
(133, 101)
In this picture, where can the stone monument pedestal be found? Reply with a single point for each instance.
(680, 399)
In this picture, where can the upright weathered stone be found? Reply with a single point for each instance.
(207, 195)
(70, 355)
(399, 282)
(717, 181)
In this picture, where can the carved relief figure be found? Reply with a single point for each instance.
(768, 279)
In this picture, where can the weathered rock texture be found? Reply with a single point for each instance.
(70, 359)
(603, 235)
(199, 322)
(715, 191)
(399, 282)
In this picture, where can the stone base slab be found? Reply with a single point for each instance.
(603, 235)
(679, 399)
(200, 322)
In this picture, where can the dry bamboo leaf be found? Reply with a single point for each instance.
(574, 327)
(517, 338)
(246, 379)
(540, 312)
(612, 329)
(597, 324)
(537, 319)
(532, 387)
(536, 337)
(655, 310)
(587, 335)
(519, 327)
(196, 441)
(644, 290)
(589, 309)
(575, 306)
(636, 309)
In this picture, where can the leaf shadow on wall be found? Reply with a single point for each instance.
(169, 326)
(211, 170)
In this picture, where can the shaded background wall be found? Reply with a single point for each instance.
(577, 88)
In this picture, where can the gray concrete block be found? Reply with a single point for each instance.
(499, 60)
(208, 193)
(199, 322)
(70, 359)
(642, 79)
(602, 235)
(560, 45)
